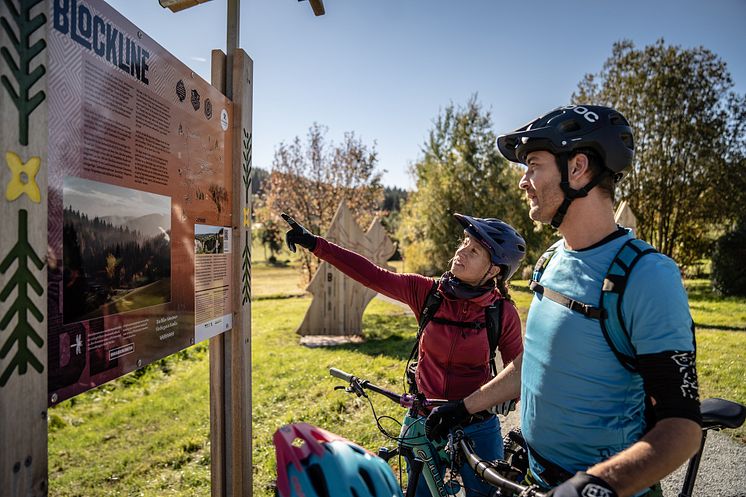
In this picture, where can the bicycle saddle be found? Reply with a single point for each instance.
(721, 413)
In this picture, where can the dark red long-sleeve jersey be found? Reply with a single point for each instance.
(453, 361)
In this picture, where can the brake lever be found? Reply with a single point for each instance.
(356, 389)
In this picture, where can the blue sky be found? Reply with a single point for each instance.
(385, 68)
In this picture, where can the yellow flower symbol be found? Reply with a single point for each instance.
(246, 222)
(23, 179)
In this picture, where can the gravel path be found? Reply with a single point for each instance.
(722, 472)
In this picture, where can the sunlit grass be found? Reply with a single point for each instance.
(148, 432)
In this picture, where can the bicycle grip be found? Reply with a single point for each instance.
(338, 373)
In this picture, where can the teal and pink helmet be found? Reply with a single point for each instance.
(504, 244)
(312, 462)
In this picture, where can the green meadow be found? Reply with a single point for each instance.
(148, 432)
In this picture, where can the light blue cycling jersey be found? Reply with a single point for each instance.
(579, 405)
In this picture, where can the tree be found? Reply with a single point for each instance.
(271, 236)
(308, 181)
(689, 172)
(461, 171)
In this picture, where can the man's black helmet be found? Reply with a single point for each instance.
(569, 128)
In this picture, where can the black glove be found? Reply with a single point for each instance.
(298, 234)
(581, 485)
(443, 418)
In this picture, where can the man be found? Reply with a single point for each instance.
(583, 409)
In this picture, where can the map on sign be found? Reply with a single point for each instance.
(139, 200)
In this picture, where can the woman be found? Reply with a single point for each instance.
(453, 359)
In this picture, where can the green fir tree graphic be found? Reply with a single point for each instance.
(20, 63)
(246, 276)
(22, 279)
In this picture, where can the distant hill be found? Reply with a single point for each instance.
(149, 225)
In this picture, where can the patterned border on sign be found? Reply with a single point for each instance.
(20, 64)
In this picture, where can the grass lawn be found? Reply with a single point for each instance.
(148, 432)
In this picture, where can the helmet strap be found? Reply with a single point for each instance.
(483, 278)
(571, 193)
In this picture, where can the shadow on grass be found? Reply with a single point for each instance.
(391, 336)
(701, 326)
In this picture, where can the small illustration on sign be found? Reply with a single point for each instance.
(224, 119)
(195, 99)
(208, 109)
(180, 90)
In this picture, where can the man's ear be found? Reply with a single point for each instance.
(578, 167)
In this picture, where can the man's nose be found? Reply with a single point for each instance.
(523, 183)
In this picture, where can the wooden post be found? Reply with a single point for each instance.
(230, 353)
(238, 353)
(217, 353)
(23, 249)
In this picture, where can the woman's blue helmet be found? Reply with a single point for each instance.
(312, 462)
(504, 244)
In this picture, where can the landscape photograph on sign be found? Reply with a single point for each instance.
(116, 249)
(208, 239)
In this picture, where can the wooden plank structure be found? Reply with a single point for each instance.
(339, 301)
(625, 217)
(23, 249)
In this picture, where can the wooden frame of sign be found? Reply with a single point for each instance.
(24, 262)
(23, 250)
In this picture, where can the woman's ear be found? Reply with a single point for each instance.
(494, 271)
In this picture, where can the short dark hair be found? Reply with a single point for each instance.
(596, 165)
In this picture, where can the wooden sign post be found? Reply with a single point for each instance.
(230, 353)
(23, 249)
(339, 301)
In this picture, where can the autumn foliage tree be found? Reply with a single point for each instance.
(688, 181)
(309, 179)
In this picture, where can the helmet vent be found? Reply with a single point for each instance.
(618, 120)
(318, 481)
(368, 481)
(569, 126)
(357, 449)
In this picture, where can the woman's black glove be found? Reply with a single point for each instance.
(297, 234)
(443, 418)
(583, 484)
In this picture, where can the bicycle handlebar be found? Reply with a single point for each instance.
(486, 471)
(338, 373)
(357, 385)
(482, 468)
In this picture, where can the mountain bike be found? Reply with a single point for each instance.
(440, 463)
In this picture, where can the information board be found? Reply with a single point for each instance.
(139, 200)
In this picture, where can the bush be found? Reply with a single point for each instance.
(729, 263)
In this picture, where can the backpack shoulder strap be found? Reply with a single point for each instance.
(429, 308)
(560, 298)
(494, 322)
(612, 323)
(543, 261)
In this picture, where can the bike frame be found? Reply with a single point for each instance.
(423, 456)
